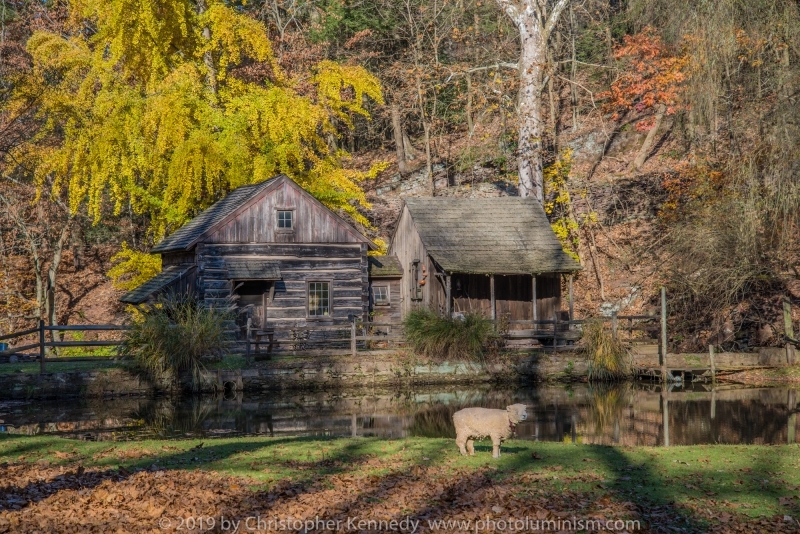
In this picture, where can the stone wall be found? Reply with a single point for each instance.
(101, 383)
(376, 369)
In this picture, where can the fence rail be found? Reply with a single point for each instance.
(42, 344)
(355, 336)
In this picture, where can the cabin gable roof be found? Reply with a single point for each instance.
(225, 210)
(502, 235)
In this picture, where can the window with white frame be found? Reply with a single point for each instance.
(380, 295)
(285, 220)
(319, 302)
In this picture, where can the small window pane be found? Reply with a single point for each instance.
(319, 299)
(285, 219)
(380, 295)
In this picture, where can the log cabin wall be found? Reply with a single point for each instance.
(343, 265)
(177, 258)
(256, 222)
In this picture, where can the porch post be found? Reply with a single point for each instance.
(533, 302)
(448, 284)
(571, 304)
(491, 297)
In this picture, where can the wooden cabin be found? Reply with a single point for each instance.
(277, 252)
(498, 256)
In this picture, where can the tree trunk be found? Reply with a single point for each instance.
(470, 125)
(428, 163)
(52, 272)
(640, 158)
(397, 128)
(529, 148)
(411, 152)
(535, 26)
(208, 59)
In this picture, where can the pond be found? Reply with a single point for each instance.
(622, 414)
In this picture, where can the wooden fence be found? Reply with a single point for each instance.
(42, 344)
(548, 335)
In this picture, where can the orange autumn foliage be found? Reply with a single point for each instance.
(651, 76)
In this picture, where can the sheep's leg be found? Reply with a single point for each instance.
(461, 440)
(471, 447)
(495, 447)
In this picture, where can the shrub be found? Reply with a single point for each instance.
(608, 357)
(443, 338)
(176, 335)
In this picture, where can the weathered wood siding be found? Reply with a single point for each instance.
(344, 265)
(407, 246)
(177, 258)
(257, 221)
(390, 313)
(513, 295)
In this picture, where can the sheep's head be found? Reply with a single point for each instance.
(517, 413)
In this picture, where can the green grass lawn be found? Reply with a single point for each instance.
(699, 482)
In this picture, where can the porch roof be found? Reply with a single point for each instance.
(156, 284)
(502, 235)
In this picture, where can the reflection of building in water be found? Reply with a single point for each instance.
(620, 415)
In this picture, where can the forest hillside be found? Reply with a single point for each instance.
(662, 137)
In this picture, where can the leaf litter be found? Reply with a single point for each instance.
(43, 498)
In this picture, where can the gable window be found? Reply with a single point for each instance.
(285, 219)
(319, 303)
(380, 295)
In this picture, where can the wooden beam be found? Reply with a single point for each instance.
(662, 355)
(665, 419)
(788, 329)
(533, 302)
(713, 367)
(448, 284)
(571, 302)
(491, 297)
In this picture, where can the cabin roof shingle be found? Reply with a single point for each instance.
(183, 237)
(502, 235)
(385, 267)
(155, 284)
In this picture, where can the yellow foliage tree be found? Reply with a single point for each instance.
(558, 203)
(139, 108)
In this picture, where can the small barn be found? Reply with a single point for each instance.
(282, 256)
(497, 256)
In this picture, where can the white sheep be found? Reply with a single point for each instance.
(479, 423)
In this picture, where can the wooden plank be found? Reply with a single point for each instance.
(533, 299)
(82, 343)
(492, 302)
(20, 333)
(87, 327)
(289, 250)
(20, 349)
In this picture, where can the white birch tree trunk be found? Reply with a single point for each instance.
(535, 25)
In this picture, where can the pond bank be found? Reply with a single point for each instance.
(303, 373)
(376, 369)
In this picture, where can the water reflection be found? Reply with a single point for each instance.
(622, 414)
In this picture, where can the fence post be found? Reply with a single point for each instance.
(41, 346)
(353, 337)
(247, 342)
(788, 330)
(614, 324)
(713, 367)
(663, 351)
(555, 332)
